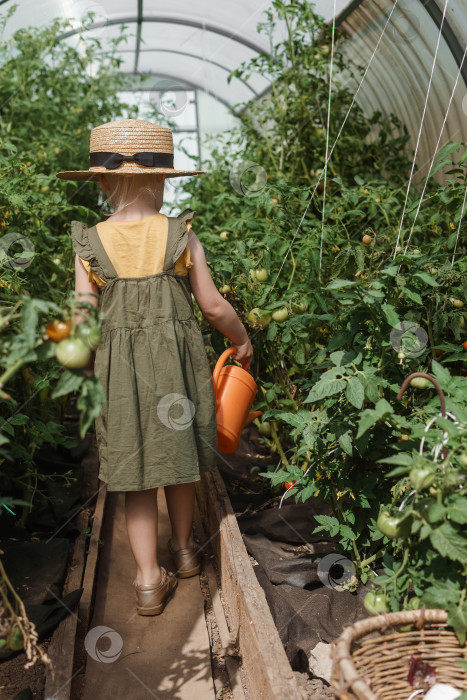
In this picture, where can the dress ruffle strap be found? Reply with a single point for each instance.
(178, 239)
(83, 247)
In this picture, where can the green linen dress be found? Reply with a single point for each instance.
(158, 424)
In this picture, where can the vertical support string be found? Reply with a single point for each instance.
(435, 150)
(326, 158)
(459, 228)
(420, 129)
(335, 142)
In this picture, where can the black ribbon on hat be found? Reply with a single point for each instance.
(111, 161)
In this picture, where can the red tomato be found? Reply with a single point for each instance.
(58, 330)
(288, 484)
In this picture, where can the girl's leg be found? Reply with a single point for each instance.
(141, 521)
(180, 505)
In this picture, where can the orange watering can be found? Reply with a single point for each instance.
(235, 390)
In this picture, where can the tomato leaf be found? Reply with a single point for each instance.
(457, 510)
(354, 392)
(328, 524)
(457, 618)
(339, 284)
(425, 277)
(345, 442)
(69, 381)
(449, 543)
(390, 314)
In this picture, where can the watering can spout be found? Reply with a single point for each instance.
(251, 416)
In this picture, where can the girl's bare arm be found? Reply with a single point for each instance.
(214, 307)
(85, 292)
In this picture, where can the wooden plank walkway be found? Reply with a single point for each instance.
(166, 656)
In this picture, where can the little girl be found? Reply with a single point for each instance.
(158, 424)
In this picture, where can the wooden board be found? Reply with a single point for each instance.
(62, 645)
(264, 661)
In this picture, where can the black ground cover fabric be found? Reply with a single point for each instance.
(36, 556)
(304, 610)
(36, 570)
(288, 555)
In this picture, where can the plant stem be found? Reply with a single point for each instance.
(277, 442)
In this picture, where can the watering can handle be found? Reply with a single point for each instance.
(220, 363)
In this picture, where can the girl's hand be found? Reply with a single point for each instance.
(244, 354)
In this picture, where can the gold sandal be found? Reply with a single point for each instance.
(187, 561)
(151, 598)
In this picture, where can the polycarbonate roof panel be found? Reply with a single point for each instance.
(398, 78)
(184, 34)
(457, 17)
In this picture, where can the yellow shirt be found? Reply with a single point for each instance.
(136, 248)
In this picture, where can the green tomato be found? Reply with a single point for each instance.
(423, 507)
(15, 639)
(91, 335)
(280, 315)
(261, 274)
(43, 394)
(422, 478)
(401, 356)
(224, 289)
(375, 603)
(463, 459)
(72, 352)
(458, 303)
(414, 603)
(265, 428)
(394, 526)
(259, 317)
(462, 322)
(419, 382)
(300, 306)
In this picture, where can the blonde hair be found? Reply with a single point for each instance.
(125, 189)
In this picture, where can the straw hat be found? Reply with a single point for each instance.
(129, 146)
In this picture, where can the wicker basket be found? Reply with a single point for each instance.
(371, 657)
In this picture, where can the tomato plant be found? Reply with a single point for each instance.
(329, 372)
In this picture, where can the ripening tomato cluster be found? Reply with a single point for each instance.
(73, 349)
